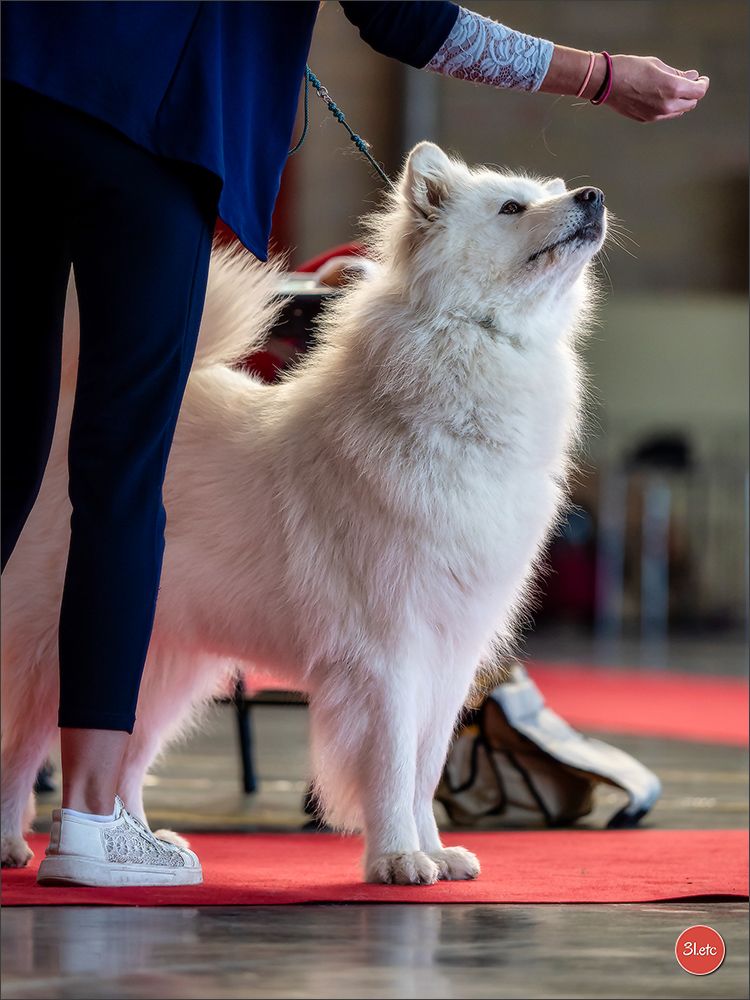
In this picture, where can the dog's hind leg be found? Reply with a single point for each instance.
(29, 710)
(176, 685)
(434, 740)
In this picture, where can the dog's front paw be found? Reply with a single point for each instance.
(414, 868)
(456, 863)
(15, 852)
(172, 838)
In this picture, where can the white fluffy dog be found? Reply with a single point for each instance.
(366, 528)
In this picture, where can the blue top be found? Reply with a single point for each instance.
(215, 84)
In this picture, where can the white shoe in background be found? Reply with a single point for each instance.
(123, 852)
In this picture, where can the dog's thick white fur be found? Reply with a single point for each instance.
(367, 528)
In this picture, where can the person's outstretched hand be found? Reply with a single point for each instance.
(647, 90)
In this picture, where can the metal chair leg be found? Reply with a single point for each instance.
(245, 732)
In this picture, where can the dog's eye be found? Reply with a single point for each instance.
(511, 208)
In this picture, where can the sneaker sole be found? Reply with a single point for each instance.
(82, 871)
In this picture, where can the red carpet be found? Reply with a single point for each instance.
(678, 706)
(611, 866)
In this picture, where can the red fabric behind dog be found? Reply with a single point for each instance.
(679, 706)
(642, 702)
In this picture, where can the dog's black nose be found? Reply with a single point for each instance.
(591, 198)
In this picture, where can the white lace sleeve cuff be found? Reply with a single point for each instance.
(484, 51)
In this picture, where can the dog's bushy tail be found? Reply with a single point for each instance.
(242, 304)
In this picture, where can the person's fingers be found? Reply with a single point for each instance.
(688, 74)
(680, 107)
(688, 89)
(662, 65)
(676, 112)
(664, 118)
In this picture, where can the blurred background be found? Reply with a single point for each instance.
(657, 544)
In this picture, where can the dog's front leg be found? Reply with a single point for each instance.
(454, 863)
(387, 780)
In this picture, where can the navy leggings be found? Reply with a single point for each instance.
(137, 230)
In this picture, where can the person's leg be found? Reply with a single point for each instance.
(91, 764)
(35, 271)
(141, 248)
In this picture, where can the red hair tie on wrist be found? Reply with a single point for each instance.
(606, 88)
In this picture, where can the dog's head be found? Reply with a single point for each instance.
(488, 235)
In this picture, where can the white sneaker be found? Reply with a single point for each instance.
(117, 853)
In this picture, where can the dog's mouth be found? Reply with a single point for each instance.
(589, 233)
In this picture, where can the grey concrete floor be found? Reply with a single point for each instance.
(383, 951)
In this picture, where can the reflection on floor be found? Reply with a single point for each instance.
(365, 951)
(381, 951)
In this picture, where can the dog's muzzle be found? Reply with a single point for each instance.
(590, 204)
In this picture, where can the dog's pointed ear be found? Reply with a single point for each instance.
(426, 181)
(556, 186)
